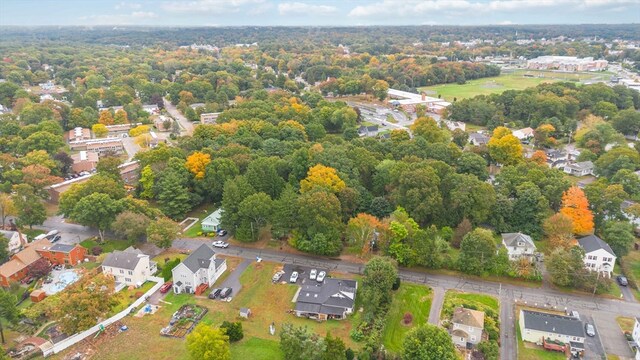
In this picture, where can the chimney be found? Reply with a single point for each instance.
(424, 96)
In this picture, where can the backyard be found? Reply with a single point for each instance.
(107, 246)
(528, 351)
(413, 299)
(143, 336)
(200, 213)
(506, 81)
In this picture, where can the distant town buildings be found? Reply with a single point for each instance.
(409, 100)
(84, 161)
(209, 118)
(566, 63)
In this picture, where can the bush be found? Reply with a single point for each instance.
(233, 330)
(396, 284)
(356, 335)
(407, 318)
(166, 270)
(96, 250)
(489, 349)
(349, 354)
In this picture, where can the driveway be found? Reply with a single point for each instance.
(436, 305)
(611, 335)
(233, 280)
(626, 293)
(594, 350)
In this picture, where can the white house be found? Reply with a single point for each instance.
(16, 240)
(201, 267)
(518, 245)
(478, 139)
(636, 336)
(536, 327)
(129, 267)
(212, 222)
(583, 168)
(524, 134)
(453, 125)
(467, 326)
(598, 255)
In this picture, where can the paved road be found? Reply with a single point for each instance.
(509, 295)
(70, 233)
(130, 147)
(186, 125)
(436, 305)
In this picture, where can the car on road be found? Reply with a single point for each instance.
(277, 276)
(622, 280)
(294, 277)
(214, 293)
(225, 293)
(590, 330)
(165, 287)
(220, 244)
(222, 232)
(313, 274)
(574, 314)
(321, 276)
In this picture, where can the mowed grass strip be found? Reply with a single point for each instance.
(410, 298)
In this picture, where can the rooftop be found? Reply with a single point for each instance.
(468, 317)
(200, 258)
(592, 243)
(63, 248)
(552, 323)
(512, 239)
(333, 296)
(122, 260)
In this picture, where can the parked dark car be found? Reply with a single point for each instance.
(56, 238)
(165, 287)
(622, 280)
(225, 293)
(222, 232)
(214, 293)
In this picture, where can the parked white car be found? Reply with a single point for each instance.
(321, 276)
(220, 244)
(277, 276)
(313, 274)
(294, 277)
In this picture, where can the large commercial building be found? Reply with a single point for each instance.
(566, 63)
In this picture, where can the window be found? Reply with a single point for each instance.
(473, 338)
(127, 280)
(130, 272)
(121, 271)
(461, 339)
(470, 328)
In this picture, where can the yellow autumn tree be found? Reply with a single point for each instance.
(99, 130)
(575, 205)
(323, 177)
(504, 148)
(196, 163)
(138, 130)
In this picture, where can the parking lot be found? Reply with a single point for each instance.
(303, 273)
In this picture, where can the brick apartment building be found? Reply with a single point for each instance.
(63, 254)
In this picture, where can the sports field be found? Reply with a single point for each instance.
(516, 80)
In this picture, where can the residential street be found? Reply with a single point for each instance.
(185, 124)
(508, 294)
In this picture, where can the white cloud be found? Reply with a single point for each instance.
(298, 8)
(460, 7)
(128, 5)
(208, 6)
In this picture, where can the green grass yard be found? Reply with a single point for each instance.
(256, 349)
(410, 298)
(200, 212)
(460, 297)
(107, 246)
(506, 81)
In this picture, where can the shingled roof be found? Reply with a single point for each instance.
(468, 317)
(552, 323)
(200, 258)
(592, 243)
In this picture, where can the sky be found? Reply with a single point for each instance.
(316, 12)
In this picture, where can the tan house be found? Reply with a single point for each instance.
(79, 134)
(466, 327)
(129, 267)
(17, 268)
(84, 161)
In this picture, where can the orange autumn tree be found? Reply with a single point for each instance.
(361, 230)
(196, 163)
(576, 206)
(539, 157)
(106, 118)
(324, 177)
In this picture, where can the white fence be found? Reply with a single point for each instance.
(72, 340)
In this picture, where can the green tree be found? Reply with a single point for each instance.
(235, 191)
(380, 274)
(217, 172)
(615, 159)
(428, 128)
(566, 267)
(29, 207)
(173, 195)
(335, 348)
(96, 210)
(418, 191)
(319, 213)
(8, 309)
(42, 140)
(263, 176)
(4, 248)
(233, 330)
(474, 164)
(108, 166)
(162, 232)
(130, 225)
(297, 343)
(254, 211)
(428, 342)
(477, 252)
(619, 235)
(147, 181)
(627, 122)
(7, 207)
(96, 184)
(208, 343)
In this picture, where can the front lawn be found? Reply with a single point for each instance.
(256, 349)
(200, 212)
(410, 298)
(625, 323)
(464, 298)
(107, 246)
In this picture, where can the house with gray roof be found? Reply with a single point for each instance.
(128, 268)
(370, 131)
(331, 299)
(565, 331)
(518, 245)
(598, 255)
(200, 267)
(582, 168)
(478, 139)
